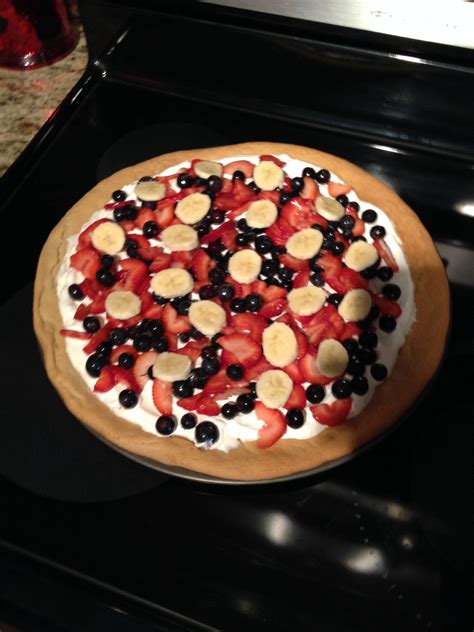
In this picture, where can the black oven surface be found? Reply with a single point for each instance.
(90, 540)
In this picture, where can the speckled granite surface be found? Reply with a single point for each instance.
(28, 97)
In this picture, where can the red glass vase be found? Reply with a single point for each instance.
(34, 33)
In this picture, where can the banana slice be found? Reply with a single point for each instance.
(279, 345)
(274, 388)
(170, 366)
(305, 301)
(361, 255)
(245, 265)
(108, 237)
(332, 358)
(172, 283)
(150, 191)
(180, 237)
(206, 168)
(330, 209)
(193, 208)
(122, 304)
(267, 175)
(208, 317)
(261, 214)
(305, 244)
(355, 305)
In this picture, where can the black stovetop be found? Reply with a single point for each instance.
(92, 541)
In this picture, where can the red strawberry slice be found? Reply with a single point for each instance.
(154, 311)
(220, 383)
(301, 341)
(172, 340)
(150, 253)
(201, 265)
(128, 225)
(297, 398)
(256, 371)
(298, 265)
(301, 279)
(173, 323)
(144, 215)
(319, 332)
(228, 358)
(310, 189)
(251, 323)
(217, 233)
(273, 308)
(117, 352)
(293, 370)
(341, 279)
(125, 377)
(201, 403)
(162, 395)
(228, 239)
(386, 254)
(86, 236)
(270, 292)
(97, 339)
(140, 369)
(86, 261)
(280, 231)
(286, 186)
(238, 211)
(330, 264)
(310, 372)
(80, 335)
(351, 330)
(226, 202)
(332, 414)
(240, 165)
(136, 275)
(273, 196)
(98, 304)
(232, 391)
(336, 188)
(162, 261)
(91, 287)
(298, 213)
(106, 380)
(182, 259)
(193, 348)
(275, 425)
(147, 302)
(242, 192)
(274, 159)
(386, 306)
(82, 311)
(140, 240)
(246, 350)
(164, 215)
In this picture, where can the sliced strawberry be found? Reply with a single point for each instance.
(310, 190)
(319, 332)
(240, 165)
(201, 403)
(80, 335)
(140, 240)
(147, 302)
(272, 292)
(251, 323)
(217, 233)
(242, 192)
(336, 188)
(117, 352)
(82, 311)
(220, 383)
(231, 391)
(106, 380)
(164, 216)
(301, 341)
(287, 186)
(293, 370)
(182, 259)
(255, 371)
(162, 261)
(336, 320)
(280, 231)
(193, 349)
(136, 275)
(297, 398)
(301, 279)
(172, 340)
(228, 358)
(332, 414)
(351, 330)
(275, 425)
(228, 239)
(125, 377)
(386, 306)
(162, 395)
(298, 213)
(150, 253)
(91, 287)
(144, 215)
(154, 311)
(98, 304)
(341, 279)
(309, 370)
(140, 369)
(238, 211)
(97, 338)
(86, 261)
(173, 323)
(271, 158)
(128, 225)
(201, 265)
(246, 350)
(273, 308)
(226, 202)
(273, 196)
(386, 254)
(293, 263)
(85, 237)
(226, 185)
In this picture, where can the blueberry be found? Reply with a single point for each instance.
(105, 277)
(253, 389)
(370, 272)
(368, 339)
(343, 199)
(341, 389)
(243, 226)
(369, 216)
(387, 323)
(377, 232)
(214, 184)
(297, 184)
(348, 222)
(235, 371)
(210, 366)
(184, 180)
(182, 388)
(335, 299)
(285, 196)
(134, 332)
(142, 343)
(215, 340)
(206, 432)
(185, 337)
(209, 352)
(242, 239)
(196, 334)
(130, 211)
(225, 292)
(150, 229)
(237, 305)
(203, 228)
(313, 265)
(263, 244)
(286, 285)
(317, 280)
(350, 345)
(253, 302)
(188, 421)
(355, 366)
(238, 175)
(374, 312)
(367, 356)
(104, 349)
(107, 261)
(126, 360)
(295, 417)
(119, 195)
(198, 378)
(160, 345)
(254, 187)
(229, 410)
(165, 425)
(118, 336)
(360, 385)
(217, 217)
(285, 274)
(151, 204)
(94, 364)
(391, 291)
(206, 292)
(161, 300)
(315, 393)
(337, 248)
(128, 398)
(245, 403)
(216, 276)
(309, 172)
(153, 327)
(385, 273)
(199, 182)
(378, 371)
(323, 176)
(75, 292)
(353, 206)
(269, 267)
(91, 324)
(182, 307)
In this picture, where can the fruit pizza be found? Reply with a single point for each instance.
(247, 312)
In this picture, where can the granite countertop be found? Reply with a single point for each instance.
(29, 97)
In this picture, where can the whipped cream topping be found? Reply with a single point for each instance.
(243, 427)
